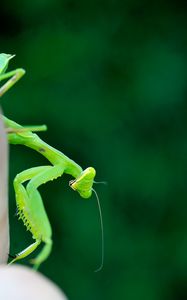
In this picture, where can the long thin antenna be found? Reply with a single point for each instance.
(102, 232)
(101, 182)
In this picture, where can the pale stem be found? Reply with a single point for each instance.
(4, 223)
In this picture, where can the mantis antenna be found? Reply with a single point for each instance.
(100, 182)
(102, 231)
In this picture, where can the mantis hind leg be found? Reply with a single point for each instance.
(14, 76)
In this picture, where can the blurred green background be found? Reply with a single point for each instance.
(109, 78)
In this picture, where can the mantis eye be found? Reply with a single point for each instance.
(83, 184)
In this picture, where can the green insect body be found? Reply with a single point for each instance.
(30, 208)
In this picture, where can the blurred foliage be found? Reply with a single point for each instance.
(109, 78)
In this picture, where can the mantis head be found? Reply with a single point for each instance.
(83, 185)
(84, 182)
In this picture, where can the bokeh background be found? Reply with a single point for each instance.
(109, 78)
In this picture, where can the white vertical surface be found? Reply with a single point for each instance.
(4, 223)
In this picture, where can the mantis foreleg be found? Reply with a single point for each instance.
(53, 172)
(22, 205)
(32, 211)
(33, 193)
(28, 174)
(20, 192)
(24, 253)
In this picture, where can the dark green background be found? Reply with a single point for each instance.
(109, 78)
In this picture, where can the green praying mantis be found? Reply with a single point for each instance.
(30, 208)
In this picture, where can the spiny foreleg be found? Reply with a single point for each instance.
(22, 205)
(43, 228)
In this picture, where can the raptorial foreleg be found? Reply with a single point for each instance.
(22, 206)
(33, 193)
